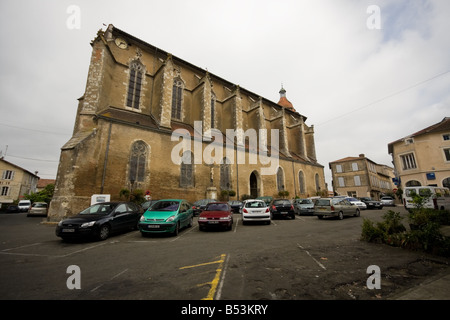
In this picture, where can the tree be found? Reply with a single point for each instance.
(45, 195)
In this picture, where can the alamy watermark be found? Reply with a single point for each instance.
(73, 21)
(74, 280)
(214, 154)
(373, 22)
(374, 280)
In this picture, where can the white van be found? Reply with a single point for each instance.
(438, 197)
(24, 205)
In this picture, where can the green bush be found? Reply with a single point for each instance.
(388, 231)
(424, 235)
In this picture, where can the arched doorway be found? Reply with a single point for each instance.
(254, 184)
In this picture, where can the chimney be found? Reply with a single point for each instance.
(362, 155)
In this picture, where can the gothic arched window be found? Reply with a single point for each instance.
(187, 170)
(138, 161)
(301, 182)
(213, 110)
(225, 174)
(317, 182)
(280, 179)
(177, 97)
(135, 84)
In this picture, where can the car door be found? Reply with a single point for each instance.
(347, 207)
(121, 217)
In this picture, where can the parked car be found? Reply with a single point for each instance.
(357, 202)
(24, 205)
(335, 207)
(13, 208)
(216, 214)
(255, 211)
(147, 204)
(266, 199)
(199, 205)
(303, 206)
(38, 209)
(387, 201)
(282, 208)
(167, 216)
(100, 221)
(236, 206)
(371, 204)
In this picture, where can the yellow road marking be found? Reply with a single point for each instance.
(216, 279)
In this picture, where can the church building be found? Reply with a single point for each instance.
(151, 121)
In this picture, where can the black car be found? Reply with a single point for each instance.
(13, 208)
(200, 205)
(282, 208)
(371, 204)
(236, 206)
(100, 220)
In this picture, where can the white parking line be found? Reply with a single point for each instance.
(117, 275)
(25, 246)
(320, 265)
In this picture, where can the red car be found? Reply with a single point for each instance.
(216, 215)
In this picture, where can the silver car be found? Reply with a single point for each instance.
(303, 206)
(387, 201)
(38, 209)
(335, 207)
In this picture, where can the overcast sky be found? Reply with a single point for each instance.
(364, 73)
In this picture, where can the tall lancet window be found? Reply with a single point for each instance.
(225, 174)
(213, 111)
(187, 170)
(138, 161)
(177, 97)
(135, 84)
(280, 179)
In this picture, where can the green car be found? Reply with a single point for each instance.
(166, 216)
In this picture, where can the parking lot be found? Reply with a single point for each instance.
(305, 258)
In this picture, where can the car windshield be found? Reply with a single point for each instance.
(352, 199)
(323, 202)
(202, 202)
(282, 202)
(165, 206)
(39, 205)
(216, 207)
(99, 208)
(255, 204)
(306, 201)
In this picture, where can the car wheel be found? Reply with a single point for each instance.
(191, 222)
(358, 213)
(104, 232)
(341, 215)
(177, 229)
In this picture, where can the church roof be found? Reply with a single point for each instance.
(287, 105)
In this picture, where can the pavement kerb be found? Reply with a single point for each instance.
(434, 288)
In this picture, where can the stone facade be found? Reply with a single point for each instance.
(423, 158)
(361, 177)
(15, 182)
(142, 106)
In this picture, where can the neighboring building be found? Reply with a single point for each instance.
(423, 158)
(361, 177)
(42, 183)
(143, 106)
(15, 182)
